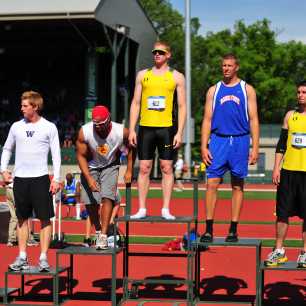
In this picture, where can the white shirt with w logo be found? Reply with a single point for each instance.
(32, 142)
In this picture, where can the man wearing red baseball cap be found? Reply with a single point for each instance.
(153, 103)
(99, 145)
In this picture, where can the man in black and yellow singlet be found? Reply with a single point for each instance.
(291, 179)
(153, 102)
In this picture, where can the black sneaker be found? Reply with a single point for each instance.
(87, 242)
(206, 237)
(231, 237)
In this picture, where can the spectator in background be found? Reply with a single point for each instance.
(71, 193)
(12, 235)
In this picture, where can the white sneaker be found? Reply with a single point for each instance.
(166, 214)
(19, 264)
(142, 213)
(101, 242)
(43, 265)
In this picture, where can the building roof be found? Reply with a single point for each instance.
(112, 13)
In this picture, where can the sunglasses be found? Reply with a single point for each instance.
(159, 52)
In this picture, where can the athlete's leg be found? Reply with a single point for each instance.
(211, 196)
(166, 167)
(219, 147)
(22, 234)
(145, 167)
(146, 149)
(237, 197)
(12, 232)
(105, 215)
(45, 235)
(210, 201)
(87, 228)
(237, 200)
(93, 217)
(115, 212)
(281, 233)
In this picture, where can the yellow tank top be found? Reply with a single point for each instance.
(157, 99)
(295, 156)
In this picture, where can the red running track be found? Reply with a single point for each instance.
(223, 270)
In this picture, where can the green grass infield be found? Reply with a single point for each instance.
(161, 240)
(188, 194)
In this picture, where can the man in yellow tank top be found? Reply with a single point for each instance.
(153, 103)
(291, 179)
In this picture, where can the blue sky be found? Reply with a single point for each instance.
(288, 17)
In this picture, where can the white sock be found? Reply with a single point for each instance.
(142, 212)
(23, 255)
(166, 214)
(43, 256)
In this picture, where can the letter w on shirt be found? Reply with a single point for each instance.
(30, 133)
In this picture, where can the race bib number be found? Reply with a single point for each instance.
(298, 140)
(156, 103)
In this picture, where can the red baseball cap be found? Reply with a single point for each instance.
(100, 113)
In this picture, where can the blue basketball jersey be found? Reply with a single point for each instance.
(230, 110)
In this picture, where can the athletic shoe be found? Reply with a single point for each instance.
(43, 265)
(165, 213)
(275, 258)
(142, 213)
(206, 237)
(301, 261)
(19, 264)
(231, 237)
(32, 242)
(87, 242)
(11, 243)
(101, 242)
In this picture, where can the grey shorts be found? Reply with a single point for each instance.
(107, 180)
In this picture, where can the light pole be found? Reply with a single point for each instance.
(188, 83)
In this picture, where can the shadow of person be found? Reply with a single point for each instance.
(105, 284)
(42, 284)
(168, 287)
(229, 284)
(285, 293)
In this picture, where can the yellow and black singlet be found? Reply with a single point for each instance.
(295, 156)
(157, 99)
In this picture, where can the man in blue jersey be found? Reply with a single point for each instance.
(230, 116)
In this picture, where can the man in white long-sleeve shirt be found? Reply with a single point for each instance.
(32, 137)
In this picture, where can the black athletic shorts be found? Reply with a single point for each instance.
(32, 194)
(291, 194)
(151, 137)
